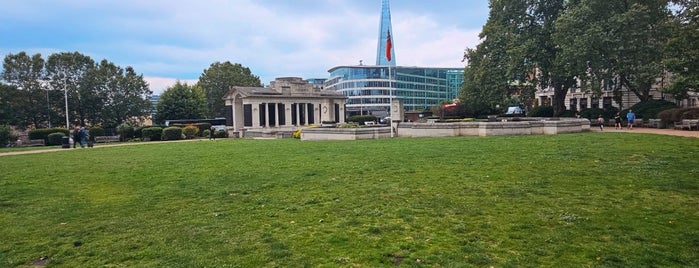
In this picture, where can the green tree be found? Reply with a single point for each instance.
(218, 78)
(181, 101)
(610, 44)
(66, 71)
(25, 73)
(683, 50)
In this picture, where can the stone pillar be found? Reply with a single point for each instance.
(287, 114)
(255, 114)
(276, 115)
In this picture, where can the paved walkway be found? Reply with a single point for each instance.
(672, 132)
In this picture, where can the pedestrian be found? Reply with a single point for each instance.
(600, 120)
(83, 137)
(630, 116)
(212, 130)
(617, 121)
(76, 136)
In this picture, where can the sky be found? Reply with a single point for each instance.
(171, 40)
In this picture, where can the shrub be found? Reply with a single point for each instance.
(296, 134)
(675, 115)
(593, 113)
(125, 132)
(360, 119)
(6, 135)
(172, 133)
(96, 131)
(55, 138)
(541, 111)
(206, 133)
(138, 133)
(190, 131)
(649, 109)
(221, 134)
(43, 133)
(152, 133)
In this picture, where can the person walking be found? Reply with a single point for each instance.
(76, 136)
(83, 137)
(212, 130)
(630, 116)
(600, 120)
(617, 121)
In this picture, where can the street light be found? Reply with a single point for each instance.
(65, 95)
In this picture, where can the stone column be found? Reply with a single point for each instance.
(287, 113)
(255, 114)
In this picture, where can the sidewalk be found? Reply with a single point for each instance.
(101, 145)
(671, 132)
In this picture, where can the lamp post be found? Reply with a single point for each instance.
(65, 95)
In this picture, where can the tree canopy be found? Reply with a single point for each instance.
(593, 44)
(218, 78)
(181, 101)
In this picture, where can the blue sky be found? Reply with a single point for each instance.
(176, 40)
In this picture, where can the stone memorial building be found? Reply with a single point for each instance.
(286, 105)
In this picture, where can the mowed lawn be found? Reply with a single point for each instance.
(575, 200)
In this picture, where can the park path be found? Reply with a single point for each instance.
(671, 132)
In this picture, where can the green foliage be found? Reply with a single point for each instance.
(567, 113)
(294, 208)
(200, 126)
(181, 101)
(55, 138)
(96, 131)
(221, 134)
(6, 135)
(125, 131)
(152, 133)
(190, 132)
(219, 78)
(43, 133)
(541, 111)
(172, 133)
(360, 119)
(650, 108)
(678, 114)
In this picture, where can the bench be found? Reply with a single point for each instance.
(107, 138)
(37, 142)
(687, 124)
(654, 123)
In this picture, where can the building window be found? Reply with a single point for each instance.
(606, 103)
(595, 103)
(573, 105)
(263, 112)
(247, 115)
(282, 114)
(583, 104)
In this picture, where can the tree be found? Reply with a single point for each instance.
(25, 74)
(66, 71)
(615, 43)
(181, 101)
(683, 50)
(218, 78)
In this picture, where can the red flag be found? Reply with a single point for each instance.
(389, 45)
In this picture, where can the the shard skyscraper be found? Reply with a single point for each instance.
(385, 52)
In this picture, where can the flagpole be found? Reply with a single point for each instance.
(390, 99)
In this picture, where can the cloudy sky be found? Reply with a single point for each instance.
(169, 40)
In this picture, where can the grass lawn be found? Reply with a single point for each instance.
(576, 200)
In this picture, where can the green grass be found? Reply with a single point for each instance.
(578, 200)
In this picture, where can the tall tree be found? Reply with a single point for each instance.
(66, 71)
(622, 41)
(683, 50)
(25, 73)
(181, 101)
(218, 78)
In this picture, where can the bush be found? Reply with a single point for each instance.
(360, 119)
(172, 133)
(56, 138)
(96, 131)
(6, 135)
(152, 133)
(541, 111)
(138, 133)
(43, 133)
(206, 133)
(593, 113)
(675, 115)
(200, 126)
(125, 132)
(190, 131)
(649, 109)
(221, 134)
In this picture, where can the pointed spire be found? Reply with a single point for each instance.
(385, 53)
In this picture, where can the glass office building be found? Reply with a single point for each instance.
(368, 88)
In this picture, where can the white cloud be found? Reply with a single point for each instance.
(159, 84)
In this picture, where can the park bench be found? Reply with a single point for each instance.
(106, 138)
(654, 123)
(688, 124)
(37, 142)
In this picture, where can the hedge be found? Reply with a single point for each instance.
(6, 135)
(43, 133)
(96, 131)
(172, 133)
(541, 111)
(152, 133)
(56, 138)
(360, 119)
(190, 131)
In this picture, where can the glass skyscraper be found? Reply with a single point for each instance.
(369, 88)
